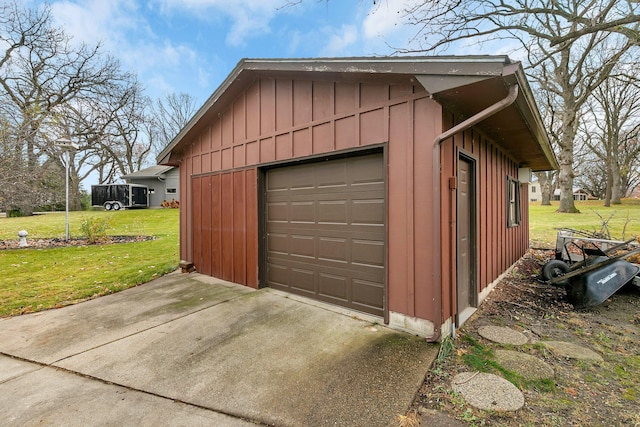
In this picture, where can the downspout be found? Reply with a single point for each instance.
(471, 121)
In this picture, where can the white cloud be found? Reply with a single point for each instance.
(385, 28)
(248, 18)
(96, 21)
(384, 19)
(340, 41)
(125, 33)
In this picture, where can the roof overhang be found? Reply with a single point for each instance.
(462, 84)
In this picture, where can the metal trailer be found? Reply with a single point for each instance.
(119, 196)
(591, 268)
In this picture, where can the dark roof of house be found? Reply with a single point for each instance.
(464, 85)
(150, 172)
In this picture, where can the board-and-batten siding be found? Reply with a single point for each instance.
(499, 246)
(277, 120)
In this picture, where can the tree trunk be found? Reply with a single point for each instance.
(565, 180)
(607, 190)
(616, 186)
(608, 180)
(616, 179)
(545, 187)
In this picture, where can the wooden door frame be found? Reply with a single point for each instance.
(472, 160)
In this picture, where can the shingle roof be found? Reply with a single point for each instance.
(150, 172)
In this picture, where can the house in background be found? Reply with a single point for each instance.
(395, 187)
(578, 194)
(535, 192)
(163, 183)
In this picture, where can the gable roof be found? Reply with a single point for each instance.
(150, 172)
(462, 84)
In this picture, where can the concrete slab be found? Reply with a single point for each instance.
(572, 351)
(252, 355)
(270, 359)
(49, 397)
(525, 365)
(502, 335)
(52, 335)
(12, 368)
(488, 391)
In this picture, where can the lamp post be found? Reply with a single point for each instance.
(67, 146)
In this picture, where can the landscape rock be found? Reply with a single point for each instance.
(572, 351)
(525, 365)
(502, 335)
(488, 391)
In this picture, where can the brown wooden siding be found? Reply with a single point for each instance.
(499, 246)
(225, 241)
(280, 120)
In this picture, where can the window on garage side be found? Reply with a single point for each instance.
(171, 190)
(513, 203)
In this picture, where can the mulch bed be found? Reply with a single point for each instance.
(60, 242)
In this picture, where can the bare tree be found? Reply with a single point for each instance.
(546, 180)
(571, 47)
(111, 130)
(614, 122)
(52, 88)
(168, 117)
(592, 177)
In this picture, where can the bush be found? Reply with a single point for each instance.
(173, 204)
(15, 213)
(85, 201)
(94, 229)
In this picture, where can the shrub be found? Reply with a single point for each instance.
(173, 204)
(94, 229)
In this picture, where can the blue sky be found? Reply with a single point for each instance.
(191, 46)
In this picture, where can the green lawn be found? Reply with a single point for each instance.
(544, 220)
(38, 279)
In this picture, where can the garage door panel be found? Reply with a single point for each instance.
(333, 249)
(302, 246)
(279, 274)
(368, 252)
(334, 174)
(333, 286)
(303, 279)
(365, 170)
(332, 241)
(303, 212)
(367, 293)
(278, 243)
(368, 212)
(332, 211)
(278, 211)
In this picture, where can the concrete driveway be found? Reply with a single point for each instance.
(190, 350)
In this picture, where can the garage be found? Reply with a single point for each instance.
(343, 180)
(325, 224)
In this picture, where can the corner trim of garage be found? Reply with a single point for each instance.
(410, 324)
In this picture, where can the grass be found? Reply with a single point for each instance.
(481, 358)
(543, 220)
(39, 279)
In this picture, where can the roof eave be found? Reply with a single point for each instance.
(439, 65)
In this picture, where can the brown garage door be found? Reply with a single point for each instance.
(326, 231)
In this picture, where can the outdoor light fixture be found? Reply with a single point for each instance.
(67, 146)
